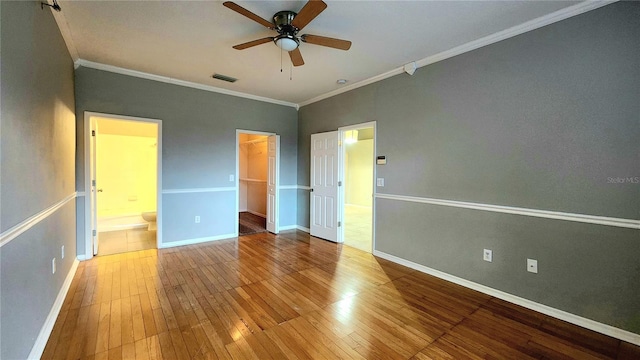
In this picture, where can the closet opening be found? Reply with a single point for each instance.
(252, 181)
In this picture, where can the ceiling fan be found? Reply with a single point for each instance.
(288, 24)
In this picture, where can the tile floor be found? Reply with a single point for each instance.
(357, 227)
(115, 242)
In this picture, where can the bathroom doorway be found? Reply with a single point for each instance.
(124, 172)
(257, 160)
(357, 172)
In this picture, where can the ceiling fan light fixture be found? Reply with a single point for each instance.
(286, 42)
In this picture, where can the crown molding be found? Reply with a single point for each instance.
(537, 23)
(548, 19)
(168, 80)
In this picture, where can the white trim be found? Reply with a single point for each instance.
(80, 193)
(530, 25)
(105, 229)
(359, 84)
(82, 257)
(589, 219)
(295, 227)
(168, 80)
(47, 327)
(27, 224)
(196, 240)
(87, 175)
(303, 187)
(547, 310)
(198, 190)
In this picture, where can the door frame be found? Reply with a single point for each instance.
(341, 172)
(87, 176)
(237, 179)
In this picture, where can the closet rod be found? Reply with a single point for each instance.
(254, 141)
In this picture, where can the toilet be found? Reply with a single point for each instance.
(150, 217)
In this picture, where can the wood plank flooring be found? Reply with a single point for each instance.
(293, 296)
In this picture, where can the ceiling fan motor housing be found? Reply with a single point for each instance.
(282, 21)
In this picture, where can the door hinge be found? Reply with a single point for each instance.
(339, 223)
(93, 183)
(93, 133)
(339, 183)
(93, 232)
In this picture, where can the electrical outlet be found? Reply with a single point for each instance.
(232, 177)
(532, 266)
(197, 219)
(62, 252)
(380, 182)
(53, 265)
(487, 255)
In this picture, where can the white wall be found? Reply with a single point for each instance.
(126, 172)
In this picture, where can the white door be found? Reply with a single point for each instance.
(324, 186)
(273, 182)
(94, 188)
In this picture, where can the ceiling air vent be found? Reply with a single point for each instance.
(224, 78)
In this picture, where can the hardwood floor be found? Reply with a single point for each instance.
(294, 296)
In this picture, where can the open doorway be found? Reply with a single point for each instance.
(358, 157)
(253, 172)
(257, 164)
(124, 178)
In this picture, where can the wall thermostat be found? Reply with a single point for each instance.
(381, 160)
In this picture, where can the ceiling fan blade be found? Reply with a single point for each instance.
(309, 12)
(253, 43)
(242, 11)
(326, 41)
(296, 57)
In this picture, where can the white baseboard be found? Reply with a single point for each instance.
(47, 327)
(294, 227)
(532, 305)
(197, 240)
(122, 227)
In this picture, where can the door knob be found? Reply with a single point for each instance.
(99, 190)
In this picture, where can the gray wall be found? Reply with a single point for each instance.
(37, 157)
(539, 121)
(198, 146)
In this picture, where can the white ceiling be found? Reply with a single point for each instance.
(190, 40)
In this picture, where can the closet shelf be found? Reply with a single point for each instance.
(255, 141)
(253, 180)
